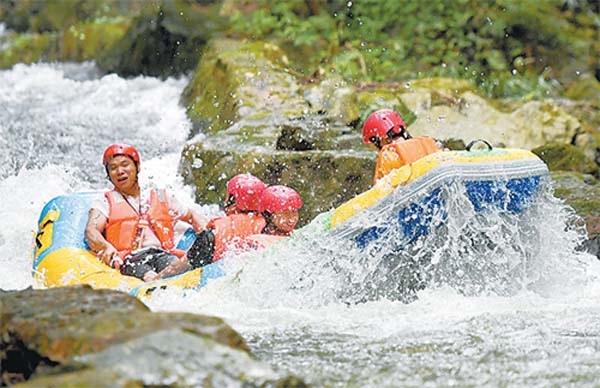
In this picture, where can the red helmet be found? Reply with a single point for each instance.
(277, 198)
(121, 149)
(380, 123)
(246, 189)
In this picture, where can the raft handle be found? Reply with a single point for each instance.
(472, 143)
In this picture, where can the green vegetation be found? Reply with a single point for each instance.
(504, 47)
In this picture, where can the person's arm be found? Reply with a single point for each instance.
(93, 234)
(188, 215)
(387, 161)
(198, 221)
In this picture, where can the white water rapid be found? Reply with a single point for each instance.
(317, 308)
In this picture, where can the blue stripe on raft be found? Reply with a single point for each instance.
(212, 271)
(512, 195)
(412, 222)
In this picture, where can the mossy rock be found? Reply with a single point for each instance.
(586, 87)
(81, 42)
(87, 41)
(324, 179)
(28, 48)
(582, 193)
(77, 336)
(164, 39)
(238, 81)
(58, 15)
(566, 157)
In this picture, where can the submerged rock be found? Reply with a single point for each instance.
(79, 336)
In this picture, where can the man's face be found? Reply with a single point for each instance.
(122, 172)
(285, 220)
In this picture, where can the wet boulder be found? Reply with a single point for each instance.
(79, 336)
(469, 116)
(567, 157)
(255, 115)
(165, 39)
(80, 42)
(582, 193)
(38, 16)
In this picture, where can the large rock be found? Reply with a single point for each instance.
(81, 337)
(324, 179)
(470, 117)
(80, 42)
(38, 16)
(165, 39)
(258, 117)
(567, 157)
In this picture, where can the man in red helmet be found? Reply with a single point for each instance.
(133, 230)
(386, 130)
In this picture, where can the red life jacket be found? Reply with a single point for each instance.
(124, 221)
(231, 231)
(403, 152)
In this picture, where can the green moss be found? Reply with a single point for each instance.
(566, 157)
(29, 48)
(580, 191)
(87, 41)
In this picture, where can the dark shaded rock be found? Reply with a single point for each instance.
(324, 179)
(165, 39)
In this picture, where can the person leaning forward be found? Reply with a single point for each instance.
(387, 132)
(133, 231)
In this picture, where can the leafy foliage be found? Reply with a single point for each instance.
(505, 47)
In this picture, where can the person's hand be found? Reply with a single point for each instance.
(150, 276)
(110, 257)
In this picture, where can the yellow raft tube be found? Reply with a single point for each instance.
(61, 256)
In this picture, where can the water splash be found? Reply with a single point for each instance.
(495, 253)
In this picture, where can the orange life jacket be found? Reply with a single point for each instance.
(403, 152)
(124, 222)
(230, 231)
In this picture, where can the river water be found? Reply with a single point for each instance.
(316, 308)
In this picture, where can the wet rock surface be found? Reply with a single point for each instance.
(84, 337)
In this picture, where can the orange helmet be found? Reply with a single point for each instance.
(278, 198)
(246, 189)
(121, 149)
(382, 123)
